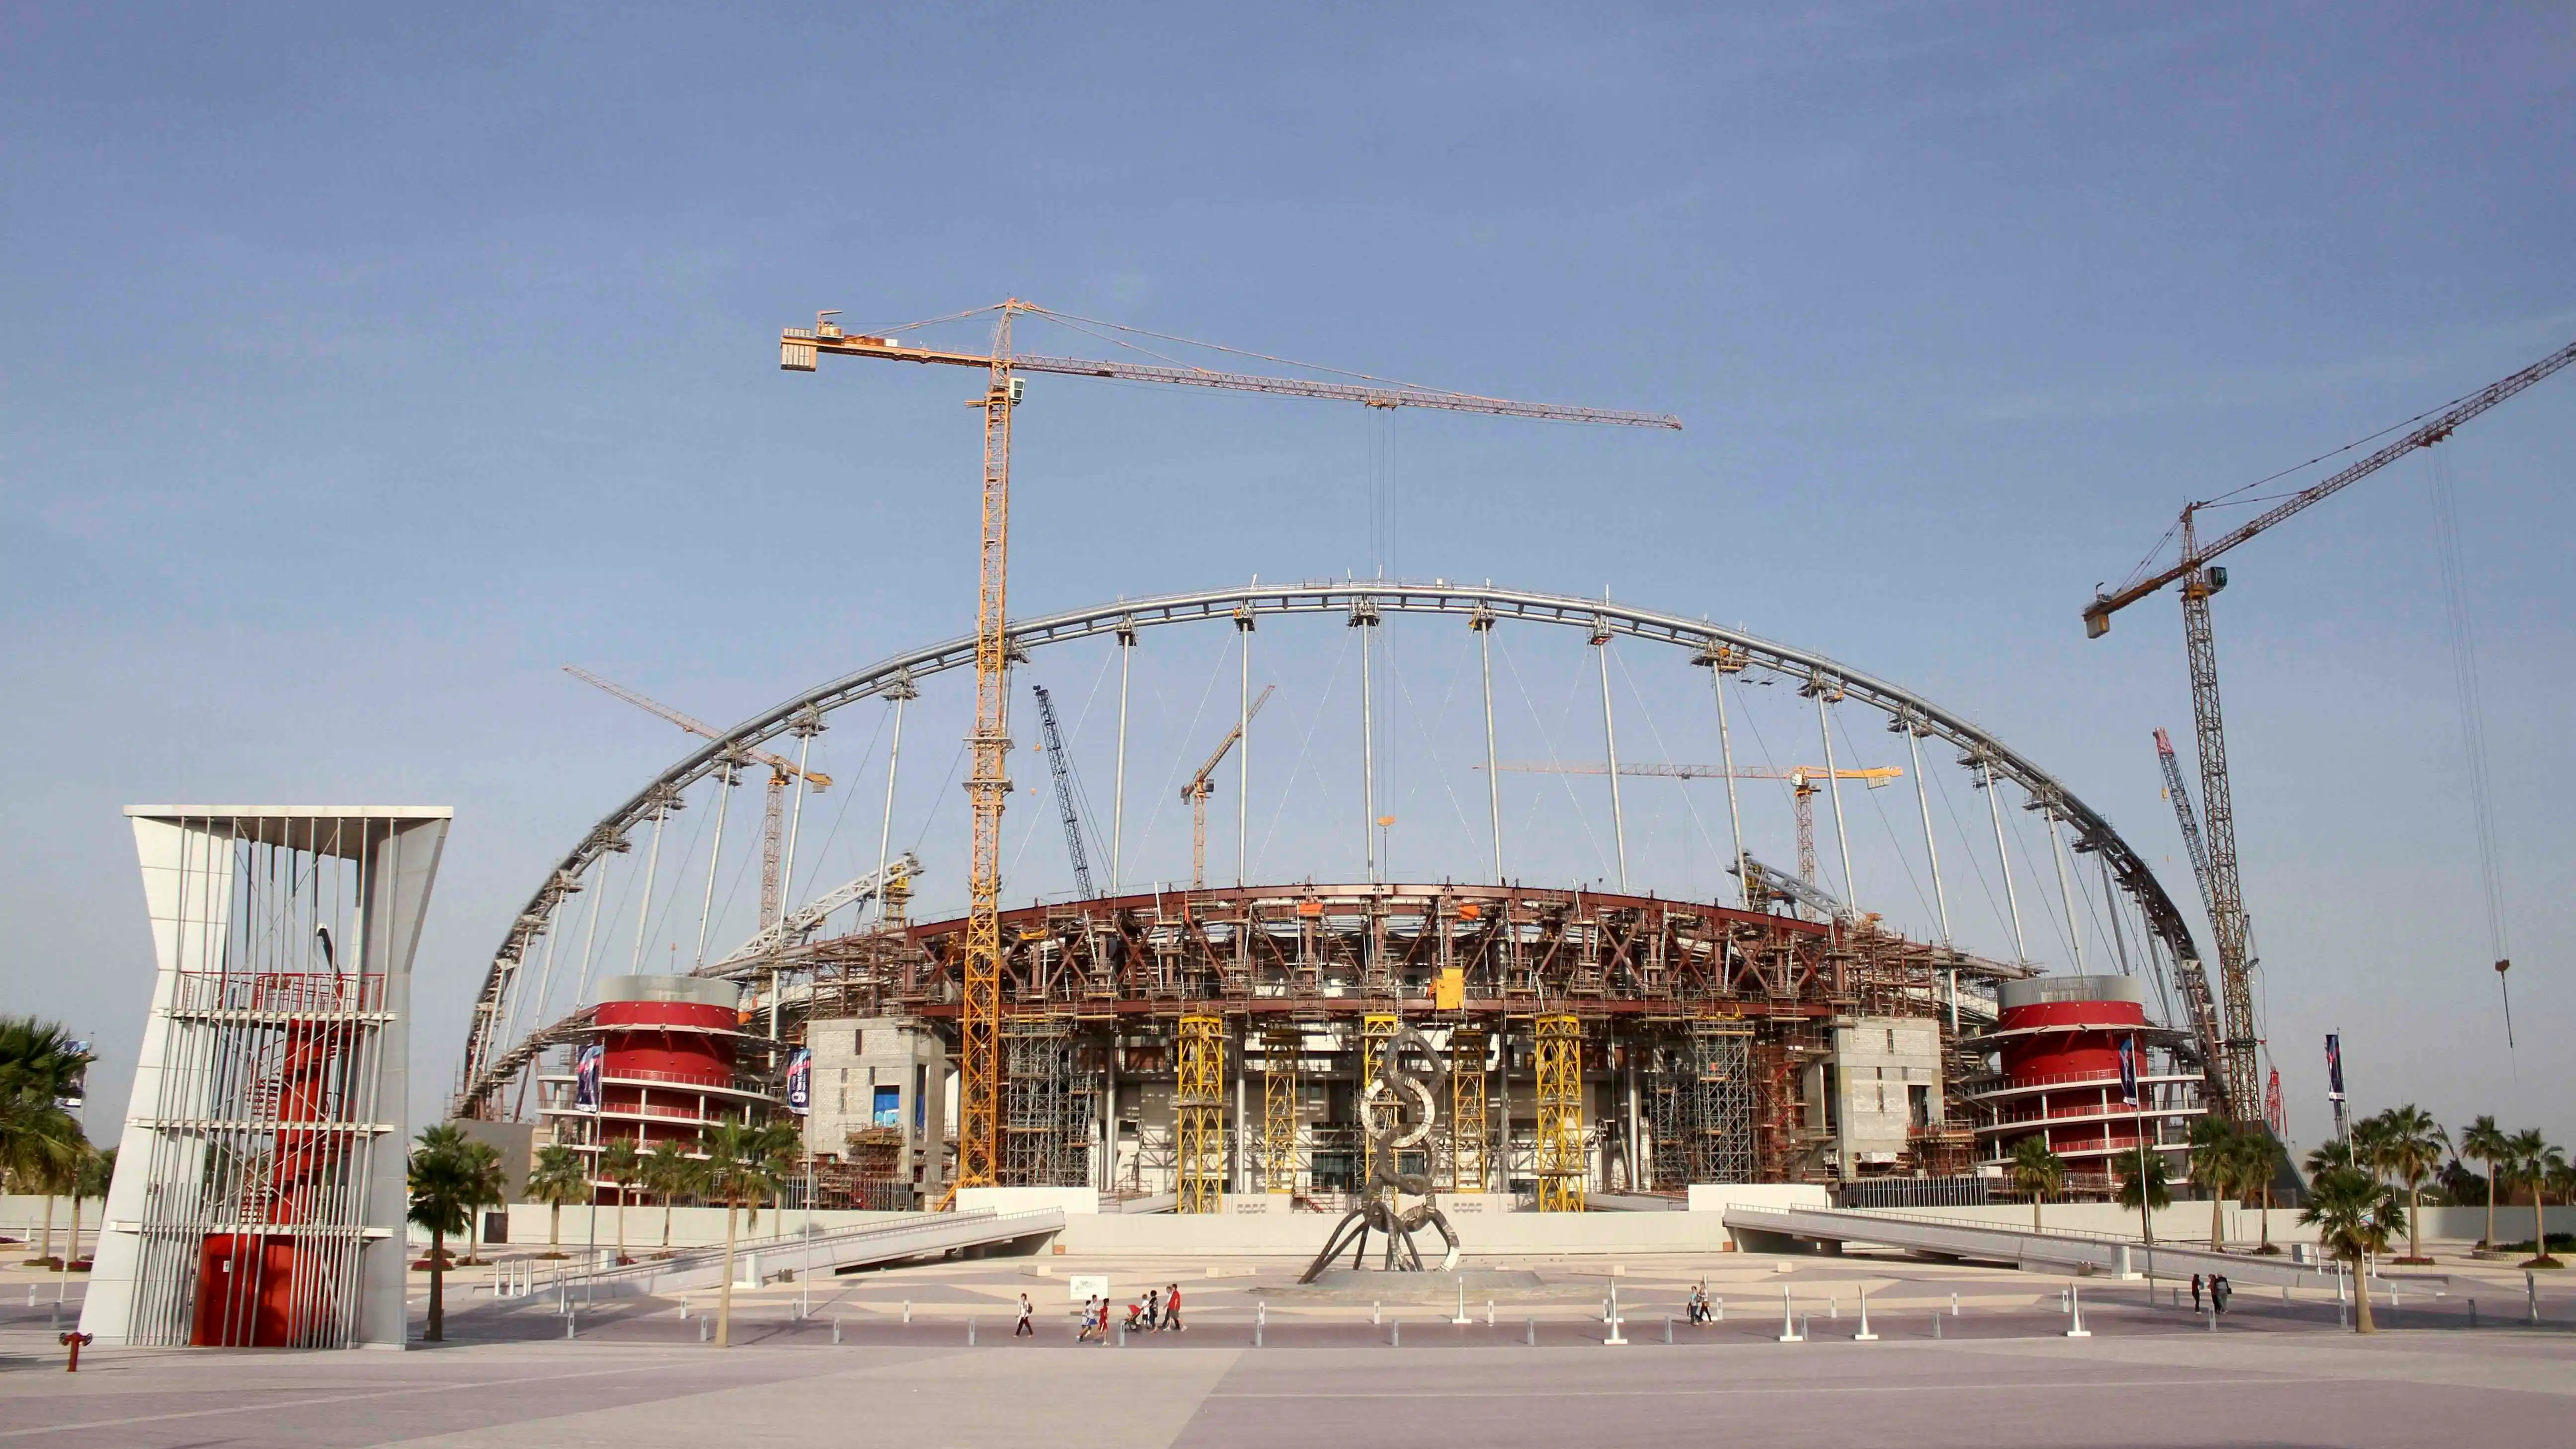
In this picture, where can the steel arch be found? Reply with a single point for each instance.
(481, 1076)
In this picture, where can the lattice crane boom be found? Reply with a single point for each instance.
(1062, 769)
(2232, 1077)
(988, 788)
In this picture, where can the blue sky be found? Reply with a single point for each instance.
(357, 371)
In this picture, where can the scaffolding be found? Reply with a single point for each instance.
(1198, 1102)
(1046, 1106)
(1469, 1128)
(1280, 1046)
(1560, 1169)
(1701, 1107)
(1377, 1113)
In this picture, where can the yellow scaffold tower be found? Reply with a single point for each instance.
(1468, 1127)
(1279, 1048)
(1199, 1106)
(1560, 1114)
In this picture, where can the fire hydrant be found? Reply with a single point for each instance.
(73, 1341)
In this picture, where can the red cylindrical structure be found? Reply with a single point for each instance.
(2057, 1040)
(667, 1068)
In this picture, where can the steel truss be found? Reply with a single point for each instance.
(489, 1065)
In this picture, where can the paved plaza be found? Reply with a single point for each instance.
(884, 1358)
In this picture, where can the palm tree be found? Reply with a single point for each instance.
(669, 1172)
(742, 1164)
(40, 1143)
(2037, 1173)
(97, 1169)
(2257, 1152)
(2331, 1156)
(621, 1164)
(2354, 1215)
(451, 1176)
(2214, 1157)
(2411, 1148)
(2483, 1141)
(2370, 1144)
(2531, 1161)
(559, 1178)
(2145, 1184)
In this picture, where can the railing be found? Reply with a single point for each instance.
(2102, 1110)
(300, 993)
(2003, 1083)
(644, 1077)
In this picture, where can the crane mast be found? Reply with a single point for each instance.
(1063, 772)
(979, 1015)
(2200, 579)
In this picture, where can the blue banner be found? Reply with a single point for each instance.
(2334, 1066)
(2129, 1072)
(585, 1078)
(800, 1081)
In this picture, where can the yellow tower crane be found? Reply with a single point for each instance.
(800, 349)
(1203, 784)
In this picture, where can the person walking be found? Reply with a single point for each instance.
(2195, 1292)
(1089, 1318)
(2220, 1290)
(1172, 1309)
(1153, 1309)
(1024, 1330)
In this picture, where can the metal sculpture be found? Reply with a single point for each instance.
(1400, 1108)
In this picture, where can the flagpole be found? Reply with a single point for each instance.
(2138, 1119)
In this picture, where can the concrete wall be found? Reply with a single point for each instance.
(1878, 1063)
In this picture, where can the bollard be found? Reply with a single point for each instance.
(1788, 1325)
(907, 1313)
(1668, 1328)
(970, 1333)
(1834, 1308)
(2531, 1284)
(1533, 1333)
(2061, 1300)
(1374, 1320)
(2473, 1313)
(73, 1341)
(1122, 1335)
(1489, 1313)
(1954, 1305)
(2213, 1318)
(836, 1330)
(2076, 1300)
(2339, 1311)
(1936, 1325)
(684, 1310)
(702, 1330)
(1617, 1338)
(1398, 1340)
(31, 1295)
(1718, 1306)
(1260, 1320)
(54, 1316)
(1462, 1317)
(568, 1326)
(1864, 1336)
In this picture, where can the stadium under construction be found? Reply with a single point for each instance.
(1221, 1045)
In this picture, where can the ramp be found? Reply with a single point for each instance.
(2044, 1250)
(920, 1235)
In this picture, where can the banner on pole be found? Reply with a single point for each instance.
(2334, 1066)
(585, 1078)
(800, 1080)
(2129, 1072)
